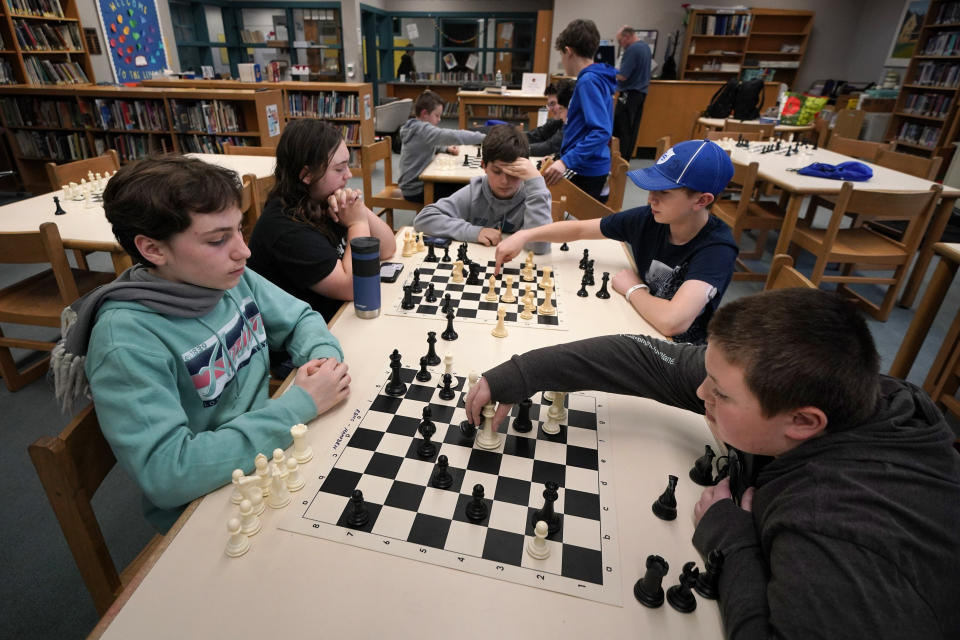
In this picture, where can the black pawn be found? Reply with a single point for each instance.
(432, 358)
(396, 386)
(407, 302)
(445, 306)
(583, 260)
(60, 210)
(474, 276)
(423, 375)
(680, 596)
(547, 514)
(449, 333)
(604, 292)
(466, 160)
(648, 589)
(416, 286)
(477, 508)
(590, 273)
(431, 255)
(583, 293)
(709, 579)
(431, 295)
(702, 470)
(468, 430)
(441, 477)
(427, 449)
(522, 423)
(447, 392)
(564, 247)
(446, 254)
(665, 507)
(478, 152)
(358, 511)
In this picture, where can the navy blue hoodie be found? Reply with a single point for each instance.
(586, 136)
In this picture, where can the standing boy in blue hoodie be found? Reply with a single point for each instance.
(175, 349)
(422, 139)
(510, 196)
(586, 136)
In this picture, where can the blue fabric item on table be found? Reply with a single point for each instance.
(851, 171)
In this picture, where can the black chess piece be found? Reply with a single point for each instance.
(604, 293)
(522, 423)
(680, 596)
(478, 152)
(396, 386)
(431, 254)
(407, 302)
(787, 154)
(708, 580)
(431, 295)
(446, 254)
(449, 333)
(468, 430)
(702, 470)
(583, 293)
(423, 375)
(462, 254)
(590, 272)
(445, 306)
(564, 247)
(359, 515)
(539, 164)
(649, 589)
(447, 392)
(778, 144)
(432, 358)
(60, 210)
(466, 160)
(415, 286)
(474, 276)
(547, 513)
(583, 260)
(477, 508)
(427, 449)
(665, 507)
(441, 476)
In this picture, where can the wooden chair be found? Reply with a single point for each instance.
(256, 192)
(765, 129)
(662, 145)
(617, 183)
(926, 168)
(576, 202)
(848, 123)
(61, 174)
(233, 150)
(860, 149)
(748, 213)
(390, 197)
(821, 127)
(783, 275)
(71, 467)
(38, 299)
(752, 136)
(862, 249)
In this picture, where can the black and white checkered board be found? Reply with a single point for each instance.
(469, 300)
(376, 453)
(472, 161)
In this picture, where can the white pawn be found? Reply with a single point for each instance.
(249, 519)
(551, 427)
(239, 543)
(421, 247)
(279, 494)
(527, 313)
(263, 473)
(250, 487)
(537, 545)
(508, 296)
(237, 495)
(280, 460)
(492, 295)
(448, 363)
(500, 331)
(302, 450)
(293, 479)
(488, 438)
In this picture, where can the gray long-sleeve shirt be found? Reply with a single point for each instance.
(421, 141)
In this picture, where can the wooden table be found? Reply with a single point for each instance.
(524, 101)
(262, 166)
(716, 124)
(307, 587)
(447, 168)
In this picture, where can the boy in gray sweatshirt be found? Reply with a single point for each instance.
(422, 139)
(511, 195)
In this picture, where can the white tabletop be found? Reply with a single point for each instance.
(300, 586)
(262, 166)
(717, 123)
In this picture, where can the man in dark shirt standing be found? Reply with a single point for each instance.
(633, 78)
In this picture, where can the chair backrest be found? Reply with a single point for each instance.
(915, 207)
(254, 197)
(614, 150)
(617, 183)
(860, 149)
(848, 123)
(42, 246)
(926, 168)
(61, 174)
(370, 155)
(662, 145)
(752, 136)
(577, 202)
(765, 129)
(233, 150)
(388, 117)
(783, 275)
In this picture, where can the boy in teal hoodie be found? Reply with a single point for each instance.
(175, 350)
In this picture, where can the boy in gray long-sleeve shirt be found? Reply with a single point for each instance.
(510, 196)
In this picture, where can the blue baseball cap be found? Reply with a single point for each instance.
(700, 165)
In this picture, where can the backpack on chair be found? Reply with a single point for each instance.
(723, 101)
(749, 100)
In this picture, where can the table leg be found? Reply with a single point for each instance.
(462, 113)
(925, 254)
(789, 223)
(926, 312)
(428, 192)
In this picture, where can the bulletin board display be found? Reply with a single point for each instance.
(133, 38)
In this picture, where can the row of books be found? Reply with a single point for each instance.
(938, 74)
(943, 44)
(129, 114)
(132, 146)
(212, 116)
(41, 71)
(324, 105)
(723, 25)
(52, 145)
(50, 8)
(499, 111)
(6, 73)
(351, 133)
(460, 77)
(34, 112)
(924, 135)
(935, 105)
(208, 144)
(948, 13)
(44, 36)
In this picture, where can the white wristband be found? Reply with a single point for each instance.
(634, 288)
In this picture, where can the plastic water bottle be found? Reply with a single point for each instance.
(499, 79)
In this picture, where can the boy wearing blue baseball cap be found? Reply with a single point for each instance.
(685, 257)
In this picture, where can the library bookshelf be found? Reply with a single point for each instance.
(42, 43)
(63, 124)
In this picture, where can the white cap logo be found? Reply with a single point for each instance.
(666, 156)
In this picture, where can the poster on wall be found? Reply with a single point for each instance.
(908, 32)
(134, 39)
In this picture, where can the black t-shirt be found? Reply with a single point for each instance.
(295, 256)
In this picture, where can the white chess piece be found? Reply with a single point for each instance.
(280, 460)
(551, 427)
(488, 438)
(457, 276)
(547, 308)
(421, 247)
(249, 519)
(294, 479)
(492, 295)
(239, 543)
(409, 245)
(500, 331)
(302, 450)
(262, 473)
(508, 296)
(250, 488)
(537, 545)
(279, 494)
(557, 411)
(527, 313)
(448, 363)
(237, 495)
(547, 279)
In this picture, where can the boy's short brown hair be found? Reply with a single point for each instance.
(581, 36)
(504, 143)
(427, 101)
(155, 196)
(802, 347)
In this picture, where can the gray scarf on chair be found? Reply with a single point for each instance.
(136, 284)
